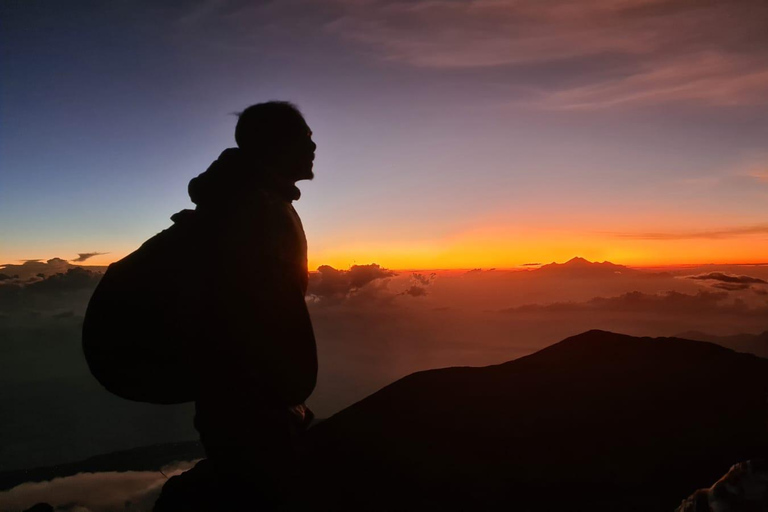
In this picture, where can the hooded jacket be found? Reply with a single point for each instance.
(254, 332)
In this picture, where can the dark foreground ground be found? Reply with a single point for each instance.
(598, 422)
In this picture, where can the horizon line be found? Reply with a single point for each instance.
(519, 267)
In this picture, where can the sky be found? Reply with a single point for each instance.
(450, 134)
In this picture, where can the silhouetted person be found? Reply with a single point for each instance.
(255, 357)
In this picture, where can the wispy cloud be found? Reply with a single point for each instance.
(731, 282)
(728, 278)
(714, 53)
(760, 229)
(84, 256)
(665, 304)
(711, 78)
(457, 34)
(759, 172)
(629, 52)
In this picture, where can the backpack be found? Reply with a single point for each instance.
(140, 333)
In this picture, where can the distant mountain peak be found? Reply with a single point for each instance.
(578, 260)
(579, 263)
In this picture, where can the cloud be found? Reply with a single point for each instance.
(364, 286)
(373, 295)
(592, 54)
(731, 287)
(67, 290)
(655, 51)
(31, 268)
(712, 78)
(728, 278)
(415, 291)
(330, 283)
(424, 280)
(64, 314)
(83, 256)
(760, 175)
(753, 170)
(95, 492)
(714, 234)
(72, 280)
(360, 275)
(420, 283)
(669, 303)
(456, 34)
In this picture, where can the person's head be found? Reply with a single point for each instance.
(276, 135)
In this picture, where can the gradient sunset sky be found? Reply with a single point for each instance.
(450, 134)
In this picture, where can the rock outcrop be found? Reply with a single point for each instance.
(743, 489)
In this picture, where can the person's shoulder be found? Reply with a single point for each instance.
(184, 217)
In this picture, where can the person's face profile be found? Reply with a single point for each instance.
(298, 154)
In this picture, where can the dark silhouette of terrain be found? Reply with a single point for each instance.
(599, 421)
(748, 343)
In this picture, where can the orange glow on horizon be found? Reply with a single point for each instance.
(504, 249)
(482, 252)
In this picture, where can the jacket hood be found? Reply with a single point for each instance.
(232, 178)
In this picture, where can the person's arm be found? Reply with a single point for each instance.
(269, 336)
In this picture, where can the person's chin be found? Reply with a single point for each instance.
(305, 176)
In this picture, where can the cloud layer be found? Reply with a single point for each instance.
(644, 304)
(731, 282)
(134, 491)
(329, 283)
(736, 231)
(49, 294)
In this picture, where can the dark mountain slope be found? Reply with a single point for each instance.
(748, 343)
(599, 421)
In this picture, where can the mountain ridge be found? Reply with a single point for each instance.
(599, 421)
(600, 409)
